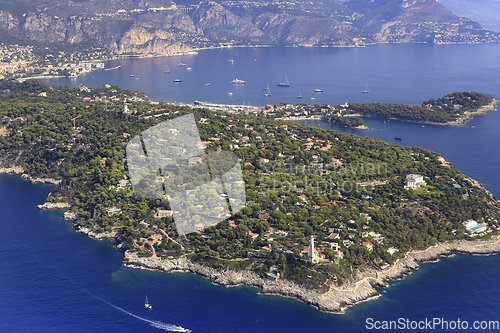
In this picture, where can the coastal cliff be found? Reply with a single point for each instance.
(337, 299)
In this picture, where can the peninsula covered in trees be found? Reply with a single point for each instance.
(451, 110)
(363, 203)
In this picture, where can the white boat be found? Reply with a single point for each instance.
(284, 83)
(181, 64)
(147, 305)
(318, 90)
(189, 68)
(167, 70)
(367, 91)
(300, 96)
(177, 80)
(237, 81)
(207, 84)
(230, 94)
(268, 92)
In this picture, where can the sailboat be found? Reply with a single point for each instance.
(167, 70)
(147, 305)
(268, 92)
(366, 91)
(284, 83)
(300, 95)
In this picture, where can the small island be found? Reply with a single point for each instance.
(328, 216)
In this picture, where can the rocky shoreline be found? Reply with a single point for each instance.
(18, 170)
(54, 205)
(49, 181)
(468, 115)
(96, 235)
(15, 170)
(336, 300)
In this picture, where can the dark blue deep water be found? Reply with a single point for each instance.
(55, 280)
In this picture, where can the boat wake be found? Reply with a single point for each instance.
(155, 323)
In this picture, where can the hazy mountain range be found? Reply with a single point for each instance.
(166, 27)
(486, 12)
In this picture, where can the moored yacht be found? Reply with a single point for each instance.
(237, 81)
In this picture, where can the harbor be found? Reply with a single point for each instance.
(236, 108)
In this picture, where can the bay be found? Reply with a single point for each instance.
(401, 73)
(53, 279)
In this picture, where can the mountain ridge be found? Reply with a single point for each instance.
(162, 27)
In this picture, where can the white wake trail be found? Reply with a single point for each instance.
(154, 323)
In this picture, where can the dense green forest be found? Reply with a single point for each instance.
(448, 108)
(300, 181)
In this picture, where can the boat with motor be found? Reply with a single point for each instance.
(147, 305)
(238, 81)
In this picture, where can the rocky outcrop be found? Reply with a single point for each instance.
(12, 170)
(54, 205)
(8, 22)
(217, 22)
(146, 39)
(71, 216)
(96, 235)
(49, 181)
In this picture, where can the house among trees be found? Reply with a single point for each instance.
(414, 181)
(164, 213)
(123, 184)
(113, 210)
(368, 245)
(199, 227)
(252, 234)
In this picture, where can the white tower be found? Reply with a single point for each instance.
(125, 108)
(312, 256)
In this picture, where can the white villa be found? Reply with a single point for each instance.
(414, 181)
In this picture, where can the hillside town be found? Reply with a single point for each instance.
(23, 62)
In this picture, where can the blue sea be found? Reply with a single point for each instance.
(53, 279)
